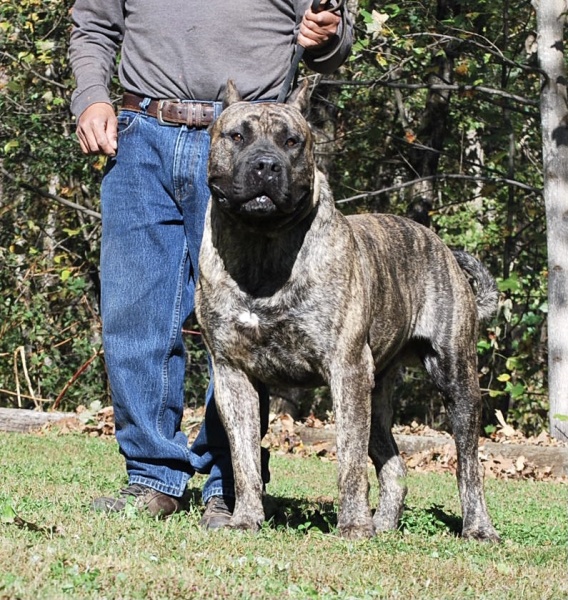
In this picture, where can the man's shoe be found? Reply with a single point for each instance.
(218, 512)
(141, 497)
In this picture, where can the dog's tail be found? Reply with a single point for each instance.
(482, 282)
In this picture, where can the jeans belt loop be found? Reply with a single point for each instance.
(145, 104)
(217, 110)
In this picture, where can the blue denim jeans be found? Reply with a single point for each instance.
(154, 197)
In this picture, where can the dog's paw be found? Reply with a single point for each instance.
(482, 534)
(386, 520)
(246, 523)
(357, 531)
(382, 526)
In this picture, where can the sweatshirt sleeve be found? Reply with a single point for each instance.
(98, 27)
(326, 60)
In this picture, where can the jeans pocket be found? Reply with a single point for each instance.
(127, 120)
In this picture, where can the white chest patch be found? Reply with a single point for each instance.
(249, 319)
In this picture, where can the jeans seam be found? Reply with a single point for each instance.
(176, 324)
(160, 487)
(217, 491)
(184, 137)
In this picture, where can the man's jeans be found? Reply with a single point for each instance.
(154, 197)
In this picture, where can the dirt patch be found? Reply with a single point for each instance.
(507, 454)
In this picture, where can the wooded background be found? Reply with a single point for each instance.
(435, 116)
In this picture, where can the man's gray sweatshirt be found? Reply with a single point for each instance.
(188, 49)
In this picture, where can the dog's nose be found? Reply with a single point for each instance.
(267, 166)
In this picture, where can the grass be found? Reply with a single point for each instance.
(53, 547)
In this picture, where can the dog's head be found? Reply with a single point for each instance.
(261, 163)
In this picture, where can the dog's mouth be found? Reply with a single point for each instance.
(261, 209)
(259, 205)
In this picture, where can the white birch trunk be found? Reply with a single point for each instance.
(551, 19)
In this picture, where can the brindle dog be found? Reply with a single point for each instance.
(291, 292)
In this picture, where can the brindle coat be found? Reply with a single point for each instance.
(291, 292)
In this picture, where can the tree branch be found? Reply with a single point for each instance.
(436, 87)
(34, 72)
(45, 194)
(441, 177)
(488, 46)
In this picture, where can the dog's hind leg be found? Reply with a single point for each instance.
(389, 465)
(351, 392)
(456, 376)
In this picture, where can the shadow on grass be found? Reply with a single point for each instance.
(304, 514)
(295, 513)
(430, 521)
(301, 514)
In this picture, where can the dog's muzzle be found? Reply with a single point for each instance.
(259, 187)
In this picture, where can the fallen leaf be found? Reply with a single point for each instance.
(287, 423)
(506, 429)
(520, 463)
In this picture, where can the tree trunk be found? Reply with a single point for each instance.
(425, 155)
(551, 18)
(22, 420)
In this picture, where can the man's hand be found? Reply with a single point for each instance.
(317, 28)
(97, 129)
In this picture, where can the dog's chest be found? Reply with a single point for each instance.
(273, 343)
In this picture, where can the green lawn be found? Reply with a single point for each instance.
(52, 546)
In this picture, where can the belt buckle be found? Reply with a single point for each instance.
(159, 113)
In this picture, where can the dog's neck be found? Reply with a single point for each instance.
(261, 261)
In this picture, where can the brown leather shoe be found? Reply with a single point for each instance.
(218, 512)
(141, 497)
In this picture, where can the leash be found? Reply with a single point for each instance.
(335, 6)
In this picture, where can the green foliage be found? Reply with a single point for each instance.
(473, 143)
(430, 521)
(63, 550)
(48, 316)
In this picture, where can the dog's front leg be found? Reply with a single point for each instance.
(238, 405)
(351, 386)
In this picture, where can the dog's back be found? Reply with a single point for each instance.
(421, 288)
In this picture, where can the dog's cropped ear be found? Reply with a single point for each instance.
(300, 97)
(231, 94)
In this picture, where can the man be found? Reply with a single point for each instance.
(153, 200)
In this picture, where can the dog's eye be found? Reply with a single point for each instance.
(236, 137)
(291, 142)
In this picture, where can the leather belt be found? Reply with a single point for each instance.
(172, 112)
